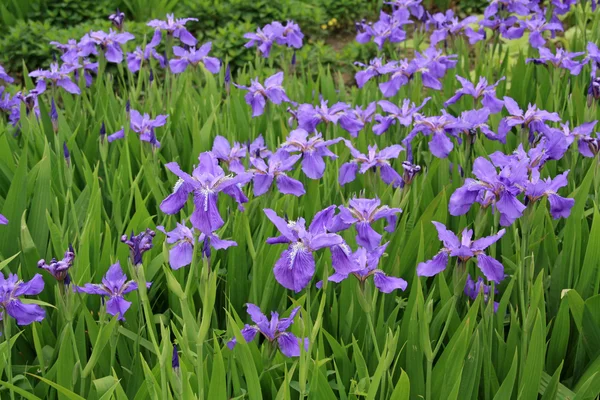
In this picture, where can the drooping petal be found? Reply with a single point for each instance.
(287, 185)
(560, 207)
(491, 268)
(347, 173)
(206, 217)
(33, 287)
(387, 284)
(313, 165)
(289, 344)
(434, 266)
(117, 305)
(25, 314)
(325, 240)
(181, 254)
(294, 269)
(445, 235)
(366, 236)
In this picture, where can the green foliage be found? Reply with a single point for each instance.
(68, 13)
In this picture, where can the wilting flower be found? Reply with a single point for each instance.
(57, 76)
(258, 94)
(194, 57)
(404, 114)
(175, 28)
(560, 207)
(389, 27)
(273, 330)
(362, 213)
(492, 188)
(482, 91)
(3, 220)
(138, 244)
(296, 266)
(182, 237)
(562, 59)
(473, 289)
(355, 119)
(114, 285)
(231, 156)
(533, 119)
(275, 168)
(310, 116)
(537, 25)
(439, 127)
(111, 43)
(142, 125)
(372, 160)
(4, 76)
(464, 249)
(136, 58)
(364, 264)
(117, 19)
(313, 150)
(60, 269)
(11, 289)
(205, 183)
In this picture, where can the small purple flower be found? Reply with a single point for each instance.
(372, 160)
(562, 59)
(473, 289)
(400, 72)
(273, 330)
(296, 266)
(258, 94)
(111, 43)
(404, 115)
(264, 37)
(291, 36)
(144, 126)
(57, 76)
(114, 285)
(509, 27)
(175, 359)
(477, 119)
(500, 190)
(313, 150)
(11, 289)
(439, 128)
(414, 6)
(387, 28)
(310, 116)
(66, 154)
(482, 91)
(205, 183)
(139, 56)
(410, 172)
(117, 19)
(374, 69)
(73, 50)
(537, 25)
(533, 119)
(3, 220)
(447, 24)
(362, 213)
(175, 28)
(194, 57)
(232, 156)
(364, 264)
(182, 237)
(560, 207)
(354, 120)
(464, 249)
(258, 148)
(275, 169)
(60, 269)
(138, 244)
(4, 76)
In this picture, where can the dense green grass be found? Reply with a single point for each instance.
(430, 341)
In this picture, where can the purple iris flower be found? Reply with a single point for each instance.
(59, 76)
(414, 6)
(477, 119)
(275, 168)
(587, 145)
(533, 119)
(593, 90)
(291, 36)
(400, 72)
(509, 27)
(87, 67)
(433, 65)
(362, 213)
(264, 37)
(410, 172)
(136, 58)
(182, 237)
(492, 188)
(355, 119)
(117, 19)
(296, 266)
(138, 244)
(3, 220)
(482, 91)
(403, 115)
(464, 249)
(258, 94)
(11, 289)
(560, 207)
(313, 150)
(4, 76)
(474, 288)
(114, 285)
(372, 160)
(144, 126)
(448, 24)
(375, 68)
(273, 330)
(111, 43)
(258, 148)
(562, 59)
(537, 25)
(520, 7)
(173, 27)
(439, 127)
(389, 27)
(232, 156)
(73, 49)
(310, 116)
(363, 264)
(205, 183)
(194, 57)
(60, 269)
(593, 55)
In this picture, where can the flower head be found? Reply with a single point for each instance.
(562, 59)
(258, 94)
(4, 76)
(175, 28)
(194, 58)
(11, 288)
(373, 160)
(313, 150)
(3, 220)
(231, 156)
(59, 76)
(138, 244)
(482, 91)
(60, 269)
(387, 28)
(274, 169)
(533, 119)
(117, 19)
(474, 288)
(111, 43)
(404, 115)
